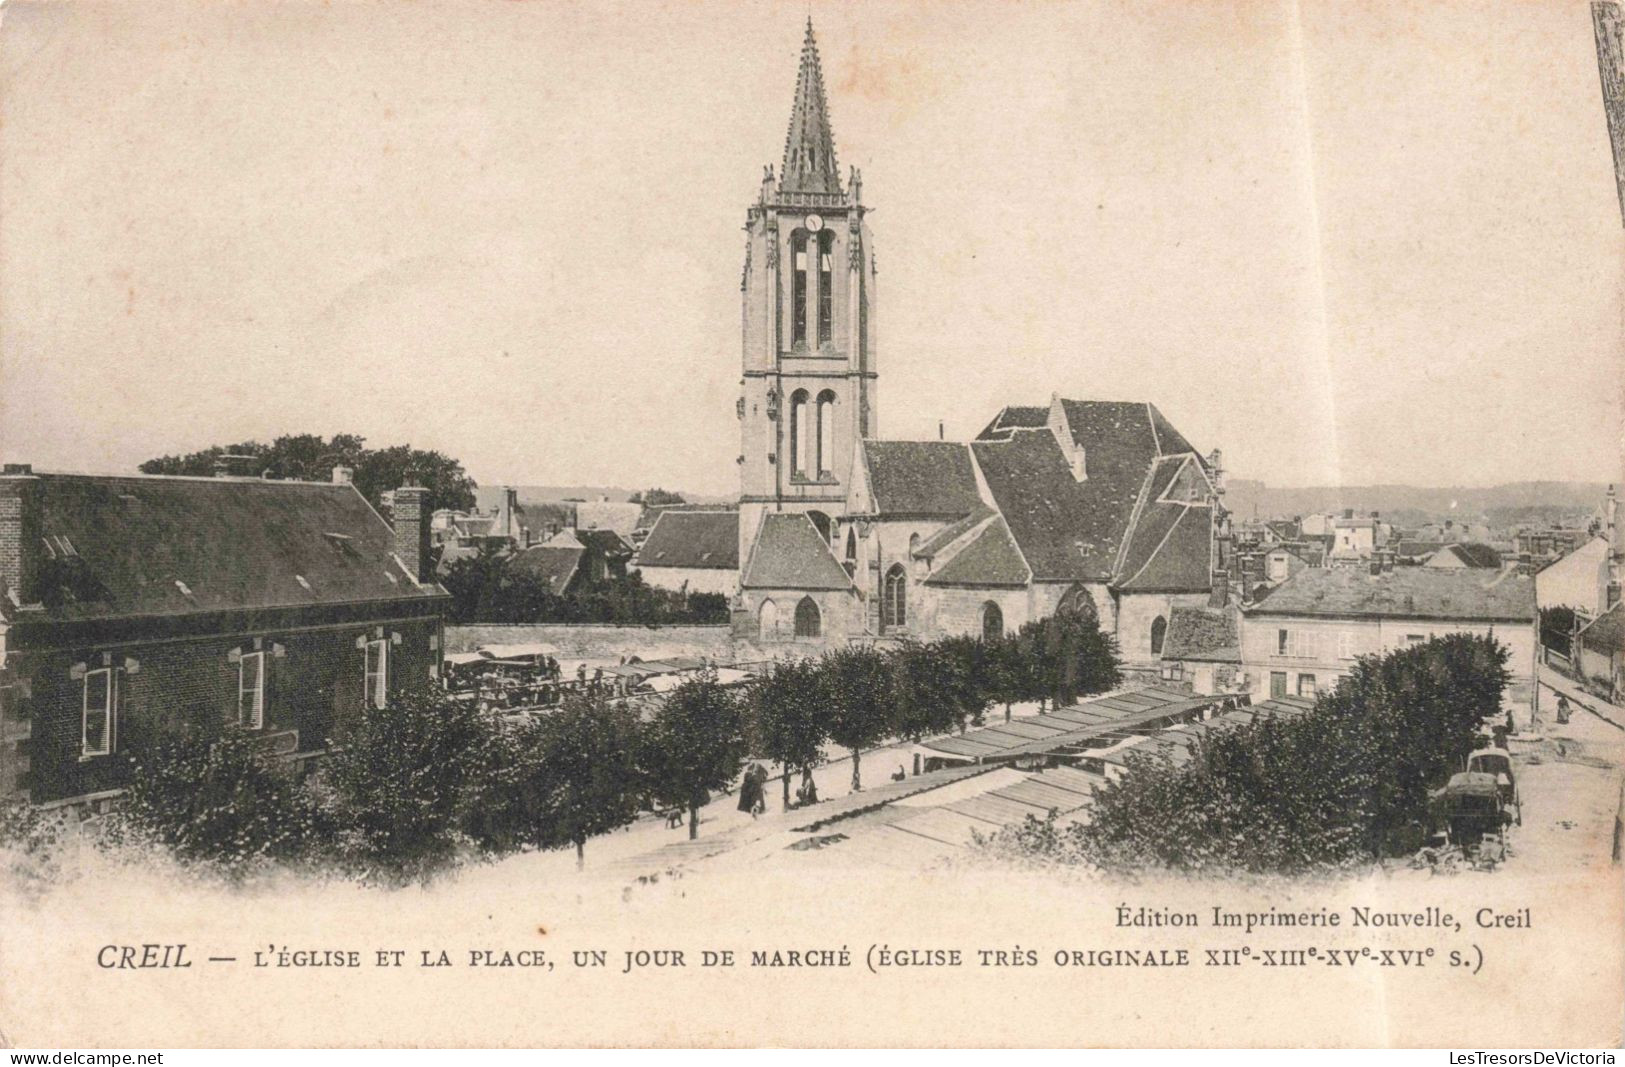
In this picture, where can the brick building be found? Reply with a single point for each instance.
(131, 605)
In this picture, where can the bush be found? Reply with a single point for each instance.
(218, 799)
(1345, 783)
(31, 843)
(406, 782)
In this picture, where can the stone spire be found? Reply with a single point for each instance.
(809, 146)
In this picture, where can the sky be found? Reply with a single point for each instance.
(1347, 244)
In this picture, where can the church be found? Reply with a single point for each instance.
(1098, 507)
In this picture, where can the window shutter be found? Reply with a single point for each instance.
(78, 671)
(234, 656)
(132, 665)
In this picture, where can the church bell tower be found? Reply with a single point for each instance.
(808, 302)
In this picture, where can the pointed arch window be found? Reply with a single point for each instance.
(808, 621)
(826, 434)
(851, 553)
(767, 617)
(801, 433)
(1159, 631)
(992, 622)
(894, 598)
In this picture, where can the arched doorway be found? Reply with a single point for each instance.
(894, 598)
(992, 622)
(767, 621)
(808, 621)
(1159, 630)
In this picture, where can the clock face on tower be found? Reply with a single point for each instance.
(813, 223)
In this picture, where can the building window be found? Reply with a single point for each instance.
(800, 433)
(1173, 671)
(992, 622)
(1159, 630)
(894, 598)
(826, 284)
(377, 673)
(1277, 567)
(1414, 639)
(1277, 684)
(826, 434)
(851, 553)
(1306, 685)
(808, 623)
(767, 620)
(798, 287)
(1295, 644)
(100, 718)
(251, 691)
(1345, 645)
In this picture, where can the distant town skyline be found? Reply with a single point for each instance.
(1346, 247)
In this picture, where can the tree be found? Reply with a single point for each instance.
(311, 457)
(1008, 671)
(789, 707)
(655, 498)
(695, 746)
(1557, 628)
(217, 797)
(405, 778)
(926, 688)
(860, 693)
(585, 772)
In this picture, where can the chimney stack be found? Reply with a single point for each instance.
(19, 534)
(412, 531)
(343, 475)
(1219, 596)
(1610, 520)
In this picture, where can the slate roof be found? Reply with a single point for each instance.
(700, 539)
(789, 554)
(1474, 554)
(607, 542)
(1010, 419)
(950, 533)
(174, 546)
(1403, 593)
(1170, 542)
(1606, 633)
(555, 563)
(921, 478)
(1209, 635)
(1070, 530)
(991, 557)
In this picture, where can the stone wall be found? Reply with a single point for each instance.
(594, 641)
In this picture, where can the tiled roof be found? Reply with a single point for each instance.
(1404, 593)
(555, 563)
(1169, 546)
(921, 477)
(1071, 530)
(173, 546)
(1010, 419)
(708, 539)
(1207, 634)
(989, 558)
(1474, 554)
(789, 554)
(1606, 633)
(950, 533)
(607, 542)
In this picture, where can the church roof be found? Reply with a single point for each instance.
(809, 144)
(991, 557)
(1011, 419)
(790, 554)
(708, 539)
(921, 478)
(1072, 530)
(1169, 545)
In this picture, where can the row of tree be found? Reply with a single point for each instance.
(1345, 783)
(410, 788)
(311, 457)
(489, 588)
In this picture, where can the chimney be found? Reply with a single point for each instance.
(343, 475)
(1219, 595)
(505, 509)
(942, 433)
(1215, 460)
(412, 532)
(19, 533)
